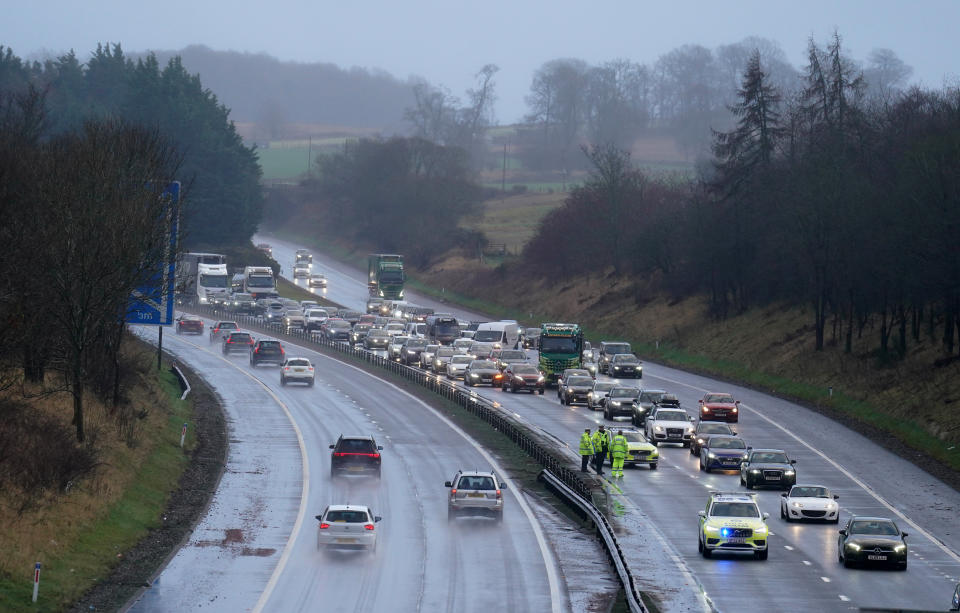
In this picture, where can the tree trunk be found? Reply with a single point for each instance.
(884, 330)
(949, 317)
(902, 336)
(78, 405)
(848, 344)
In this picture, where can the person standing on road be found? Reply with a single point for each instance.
(586, 449)
(601, 446)
(618, 451)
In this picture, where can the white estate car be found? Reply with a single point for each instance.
(297, 369)
(348, 526)
(809, 502)
(669, 425)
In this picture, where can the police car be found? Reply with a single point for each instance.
(639, 449)
(732, 521)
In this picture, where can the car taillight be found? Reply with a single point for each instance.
(257, 350)
(324, 526)
(498, 494)
(368, 526)
(453, 491)
(374, 455)
(281, 351)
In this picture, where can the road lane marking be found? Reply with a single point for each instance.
(876, 496)
(825, 579)
(844, 598)
(304, 490)
(807, 563)
(788, 547)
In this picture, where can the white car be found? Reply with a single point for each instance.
(462, 345)
(395, 347)
(458, 365)
(301, 270)
(667, 425)
(809, 502)
(317, 280)
(349, 526)
(297, 369)
(394, 329)
(314, 318)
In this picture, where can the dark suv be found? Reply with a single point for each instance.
(270, 352)
(575, 389)
(355, 454)
(607, 351)
(237, 341)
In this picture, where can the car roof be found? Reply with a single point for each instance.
(768, 450)
(719, 437)
(476, 473)
(366, 437)
(348, 507)
(732, 497)
(811, 485)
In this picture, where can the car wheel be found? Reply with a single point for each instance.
(847, 563)
(706, 469)
(653, 466)
(902, 565)
(761, 555)
(707, 553)
(283, 380)
(839, 556)
(782, 514)
(749, 483)
(699, 545)
(513, 389)
(540, 391)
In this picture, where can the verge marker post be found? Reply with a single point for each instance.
(36, 580)
(183, 434)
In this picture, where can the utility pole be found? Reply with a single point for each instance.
(503, 174)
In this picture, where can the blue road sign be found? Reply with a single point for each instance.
(152, 303)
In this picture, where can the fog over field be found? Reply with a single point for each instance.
(447, 44)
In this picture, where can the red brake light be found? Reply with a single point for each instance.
(453, 491)
(368, 526)
(324, 526)
(498, 493)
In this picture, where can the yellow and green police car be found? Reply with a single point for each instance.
(733, 522)
(640, 450)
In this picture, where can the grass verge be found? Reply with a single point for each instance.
(85, 540)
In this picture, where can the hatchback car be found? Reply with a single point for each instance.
(704, 430)
(355, 455)
(481, 372)
(237, 341)
(317, 280)
(523, 377)
(872, 540)
(376, 339)
(475, 493)
(575, 389)
(347, 526)
(440, 359)
(189, 324)
(511, 356)
(598, 395)
(619, 402)
(298, 370)
(220, 329)
(266, 352)
(457, 365)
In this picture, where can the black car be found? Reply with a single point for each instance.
(644, 404)
(722, 452)
(355, 455)
(411, 350)
(705, 429)
(337, 330)
(266, 352)
(575, 389)
(768, 467)
(624, 365)
(244, 303)
(619, 402)
(237, 341)
(482, 372)
(358, 333)
(872, 540)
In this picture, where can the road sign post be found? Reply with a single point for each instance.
(152, 303)
(36, 580)
(183, 434)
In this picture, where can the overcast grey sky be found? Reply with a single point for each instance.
(447, 41)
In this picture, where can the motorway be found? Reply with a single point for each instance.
(256, 548)
(802, 570)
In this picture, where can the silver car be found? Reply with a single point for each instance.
(441, 358)
(475, 493)
(457, 366)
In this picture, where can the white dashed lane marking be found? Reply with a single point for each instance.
(825, 579)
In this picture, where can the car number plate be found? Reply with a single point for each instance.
(674, 435)
(876, 557)
(347, 541)
(475, 495)
(298, 370)
(357, 468)
(773, 478)
(737, 540)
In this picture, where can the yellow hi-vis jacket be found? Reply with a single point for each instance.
(586, 444)
(619, 446)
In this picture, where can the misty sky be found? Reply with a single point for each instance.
(447, 41)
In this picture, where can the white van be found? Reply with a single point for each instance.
(503, 334)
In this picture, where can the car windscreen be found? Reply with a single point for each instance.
(623, 392)
(488, 335)
(806, 491)
(719, 398)
(510, 354)
(270, 344)
(670, 416)
(771, 457)
(361, 327)
(416, 343)
(228, 325)
(444, 352)
(476, 483)
(557, 345)
(521, 369)
(879, 528)
(298, 362)
(734, 509)
(714, 428)
(239, 336)
(580, 381)
(727, 443)
(651, 397)
(614, 348)
(351, 517)
(398, 327)
(356, 445)
(461, 359)
(635, 437)
(378, 334)
(624, 358)
(603, 386)
(343, 325)
(482, 364)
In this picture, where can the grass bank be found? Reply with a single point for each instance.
(81, 535)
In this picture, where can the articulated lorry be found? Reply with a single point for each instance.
(385, 276)
(561, 347)
(200, 276)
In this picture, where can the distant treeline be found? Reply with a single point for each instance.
(222, 174)
(830, 198)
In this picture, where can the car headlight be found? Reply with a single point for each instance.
(711, 455)
(760, 530)
(658, 428)
(710, 529)
(831, 506)
(852, 546)
(473, 375)
(900, 548)
(755, 471)
(796, 504)
(699, 440)
(689, 429)
(569, 390)
(540, 379)
(789, 472)
(614, 403)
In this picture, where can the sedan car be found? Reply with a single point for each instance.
(355, 455)
(523, 378)
(872, 540)
(719, 407)
(347, 526)
(570, 372)
(625, 365)
(598, 395)
(336, 330)
(298, 370)
(704, 430)
(809, 502)
(458, 365)
(317, 280)
(482, 372)
(376, 339)
(721, 452)
(768, 467)
(619, 402)
(575, 389)
(237, 341)
(189, 324)
(301, 270)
